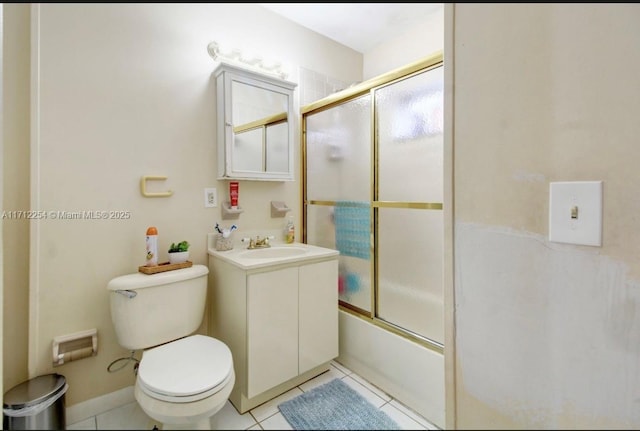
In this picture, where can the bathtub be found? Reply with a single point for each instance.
(408, 371)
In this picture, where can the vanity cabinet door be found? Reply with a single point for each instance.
(272, 329)
(318, 314)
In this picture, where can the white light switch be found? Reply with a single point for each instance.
(575, 212)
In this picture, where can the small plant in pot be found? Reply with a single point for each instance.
(179, 253)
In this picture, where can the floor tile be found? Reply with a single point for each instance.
(267, 416)
(323, 378)
(364, 391)
(87, 424)
(276, 422)
(270, 408)
(228, 418)
(413, 415)
(379, 392)
(129, 416)
(404, 421)
(341, 367)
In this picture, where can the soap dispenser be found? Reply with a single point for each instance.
(289, 231)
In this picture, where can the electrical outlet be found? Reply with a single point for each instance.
(210, 198)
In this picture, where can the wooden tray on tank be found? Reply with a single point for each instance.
(162, 267)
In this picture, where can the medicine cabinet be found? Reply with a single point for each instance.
(255, 125)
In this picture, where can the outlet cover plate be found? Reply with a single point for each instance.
(575, 212)
(210, 198)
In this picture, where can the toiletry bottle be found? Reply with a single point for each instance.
(152, 246)
(289, 231)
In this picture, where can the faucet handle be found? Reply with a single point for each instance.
(258, 241)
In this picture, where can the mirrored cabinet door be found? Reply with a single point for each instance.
(255, 125)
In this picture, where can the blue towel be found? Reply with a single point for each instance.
(352, 222)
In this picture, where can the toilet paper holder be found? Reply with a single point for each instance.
(71, 347)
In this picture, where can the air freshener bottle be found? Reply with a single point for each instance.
(152, 246)
(289, 231)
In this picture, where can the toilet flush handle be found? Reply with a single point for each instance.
(128, 293)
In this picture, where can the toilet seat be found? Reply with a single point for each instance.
(185, 370)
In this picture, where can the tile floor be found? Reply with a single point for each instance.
(265, 416)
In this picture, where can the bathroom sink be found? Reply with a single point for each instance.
(278, 254)
(273, 252)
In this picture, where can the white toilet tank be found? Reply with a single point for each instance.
(148, 310)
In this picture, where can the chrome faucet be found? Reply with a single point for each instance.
(258, 242)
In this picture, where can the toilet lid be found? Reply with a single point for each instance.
(185, 367)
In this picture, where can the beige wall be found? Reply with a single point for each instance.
(125, 90)
(414, 43)
(547, 334)
(15, 180)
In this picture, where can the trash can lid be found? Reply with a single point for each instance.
(34, 391)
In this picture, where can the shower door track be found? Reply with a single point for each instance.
(397, 330)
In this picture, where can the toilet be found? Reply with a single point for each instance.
(183, 378)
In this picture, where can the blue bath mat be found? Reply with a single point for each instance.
(334, 406)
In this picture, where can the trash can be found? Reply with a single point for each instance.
(37, 404)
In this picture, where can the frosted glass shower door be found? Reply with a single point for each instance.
(408, 205)
(338, 193)
(373, 163)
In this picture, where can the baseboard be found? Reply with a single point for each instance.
(95, 406)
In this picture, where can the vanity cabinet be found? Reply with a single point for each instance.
(254, 125)
(280, 322)
(272, 329)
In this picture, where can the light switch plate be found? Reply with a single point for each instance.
(575, 212)
(210, 198)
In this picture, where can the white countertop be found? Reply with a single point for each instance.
(252, 259)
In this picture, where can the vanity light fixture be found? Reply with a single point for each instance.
(235, 56)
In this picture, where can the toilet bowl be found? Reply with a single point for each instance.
(183, 378)
(183, 383)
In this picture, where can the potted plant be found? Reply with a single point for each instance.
(179, 253)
